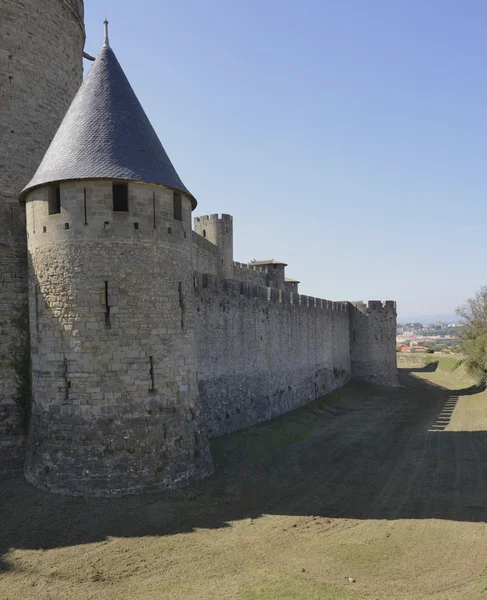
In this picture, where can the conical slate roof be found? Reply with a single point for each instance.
(106, 135)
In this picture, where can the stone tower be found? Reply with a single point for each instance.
(41, 45)
(116, 406)
(218, 231)
(373, 341)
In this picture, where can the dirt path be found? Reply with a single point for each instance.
(368, 493)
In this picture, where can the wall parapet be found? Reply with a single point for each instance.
(247, 267)
(375, 305)
(207, 281)
(215, 217)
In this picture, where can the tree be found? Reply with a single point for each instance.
(474, 335)
(474, 310)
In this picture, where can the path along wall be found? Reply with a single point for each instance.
(262, 353)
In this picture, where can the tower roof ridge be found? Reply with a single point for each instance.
(271, 261)
(106, 134)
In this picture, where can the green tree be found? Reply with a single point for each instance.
(474, 335)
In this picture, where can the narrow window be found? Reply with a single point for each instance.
(107, 307)
(120, 197)
(84, 198)
(54, 200)
(204, 233)
(178, 211)
(181, 303)
(151, 372)
(66, 378)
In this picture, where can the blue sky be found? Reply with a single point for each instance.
(347, 137)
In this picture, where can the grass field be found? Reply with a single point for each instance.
(368, 493)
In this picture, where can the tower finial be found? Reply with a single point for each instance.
(106, 43)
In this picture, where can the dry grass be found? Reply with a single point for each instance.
(367, 494)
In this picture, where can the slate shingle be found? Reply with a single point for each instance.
(106, 134)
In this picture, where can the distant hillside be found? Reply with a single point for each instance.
(428, 319)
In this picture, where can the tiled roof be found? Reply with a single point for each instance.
(106, 134)
(273, 261)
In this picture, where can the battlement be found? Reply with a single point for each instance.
(212, 218)
(375, 305)
(206, 281)
(248, 267)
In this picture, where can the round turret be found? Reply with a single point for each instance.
(41, 46)
(116, 406)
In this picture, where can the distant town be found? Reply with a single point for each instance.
(428, 337)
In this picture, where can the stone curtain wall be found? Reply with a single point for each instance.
(250, 274)
(260, 357)
(373, 342)
(116, 405)
(205, 255)
(41, 44)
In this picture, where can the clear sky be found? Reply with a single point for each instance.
(347, 138)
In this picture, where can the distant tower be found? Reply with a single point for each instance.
(373, 341)
(116, 407)
(291, 285)
(276, 273)
(41, 45)
(218, 231)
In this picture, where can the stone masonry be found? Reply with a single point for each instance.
(41, 45)
(116, 405)
(146, 338)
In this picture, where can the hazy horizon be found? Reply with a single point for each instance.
(429, 318)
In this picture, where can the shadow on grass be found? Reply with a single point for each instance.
(362, 452)
(429, 368)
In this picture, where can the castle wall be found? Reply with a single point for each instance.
(41, 44)
(260, 357)
(205, 255)
(250, 274)
(116, 406)
(219, 231)
(373, 342)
